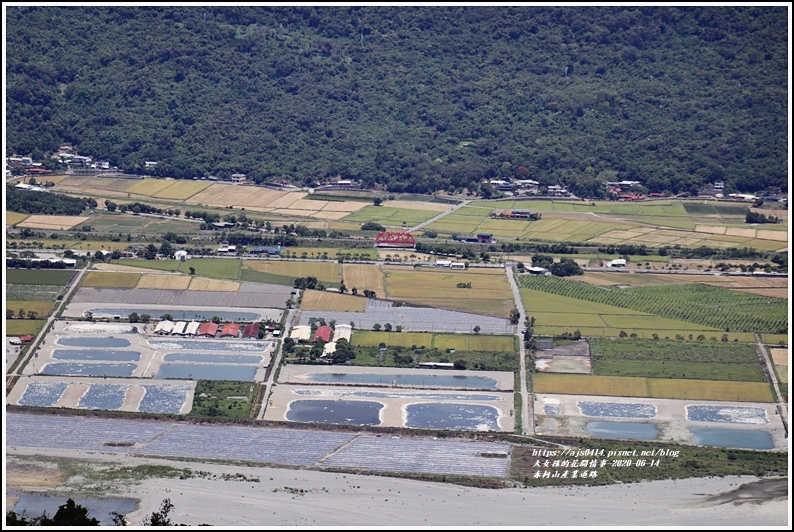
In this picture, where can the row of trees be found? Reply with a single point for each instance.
(33, 202)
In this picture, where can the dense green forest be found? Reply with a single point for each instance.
(416, 98)
(31, 202)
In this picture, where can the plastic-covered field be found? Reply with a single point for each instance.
(211, 372)
(45, 393)
(727, 414)
(80, 341)
(99, 328)
(209, 345)
(104, 397)
(96, 354)
(423, 456)
(83, 370)
(429, 381)
(454, 416)
(398, 395)
(336, 411)
(202, 358)
(629, 410)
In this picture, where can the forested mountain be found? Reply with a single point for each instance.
(418, 98)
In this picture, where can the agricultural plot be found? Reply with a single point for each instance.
(390, 216)
(364, 277)
(695, 303)
(489, 294)
(330, 253)
(14, 217)
(459, 342)
(53, 223)
(19, 327)
(149, 186)
(111, 279)
(42, 394)
(164, 282)
(165, 265)
(414, 319)
(252, 198)
(39, 277)
(321, 300)
(327, 272)
(213, 285)
(218, 268)
(33, 292)
(403, 339)
(779, 356)
(41, 308)
(705, 390)
(181, 190)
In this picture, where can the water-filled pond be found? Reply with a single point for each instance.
(435, 381)
(95, 370)
(622, 430)
(551, 409)
(206, 372)
(400, 395)
(340, 412)
(105, 341)
(96, 354)
(727, 414)
(599, 409)
(34, 504)
(452, 416)
(180, 315)
(732, 438)
(217, 359)
(208, 345)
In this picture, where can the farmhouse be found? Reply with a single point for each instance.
(301, 333)
(164, 327)
(323, 332)
(329, 349)
(208, 329)
(484, 237)
(518, 214)
(230, 330)
(181, 255)
(237, 178)
(179, 328)
(251, 330)
(192, 328)
(343, 331)
(26, 338)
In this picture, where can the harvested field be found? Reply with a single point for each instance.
(236, 195)
(181, 189)
(417, 205)
(164, 282)
(111, 279)
(317, 300)
(18, 327)
(735, 231)
(474, 342)
(14, 217)
(779, 356)
(55, 223)
(364, 277)
(658, 388)
(330, 214)
(308, 205)
(323, 271)
(781, 236)
(112, 267)
(294, 212)
(41, 308)
(343, 206)
(286, 199)
(149, 186)
(213, 285)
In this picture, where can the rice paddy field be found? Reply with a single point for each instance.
(111, 279)
(364, 277)
(213, 285)
(460, 342)
(18, 327)
(710, 307)
(390, 216)
(327, 272)
(705, 390)
(331, 253)
(39, 277)
(14, 217)
(779, 356)
(164, 281)
(321, 300)
(489, 294)
(41, 308)
(53, 223)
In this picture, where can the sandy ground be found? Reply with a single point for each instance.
(303, 498)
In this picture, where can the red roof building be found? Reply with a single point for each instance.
(251, 330)
(324, 332)
(26, 338)
(208, 329)
(230, 330)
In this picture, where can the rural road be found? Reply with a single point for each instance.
(438, 216)
(288, 323)
(527, 407)
(782, 407)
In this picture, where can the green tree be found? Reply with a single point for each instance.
(134, 318)
(376, 327)
(161, 517)
(68, 514)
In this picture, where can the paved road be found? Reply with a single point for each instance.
(292, 315)
(781, 404)
(438, 216)
(527, 407)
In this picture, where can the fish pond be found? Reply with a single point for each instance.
(336, 411)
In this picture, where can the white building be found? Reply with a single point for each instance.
(164, 327)
(617, 263)
(343, 331)
(192, 328)
(179, 328)
(301, 333)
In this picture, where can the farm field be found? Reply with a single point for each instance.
(41, 308)
(364, 277)
(460, 342)
(705, 390)
(219, 268)
(149, 186)
(327, 272)
(253, 276)
(54, 223)
(330, 253)
(181, 189)
(14, 217)
(390, 216)
(771, 286)
(118, 223)
(18, 327)
(165, 265)
(43, 277)
(779, 356)
(320, 300)
(417, 205)
(489, 294)
(164, 281)
(709, 306)
(213, 285)
(33, 292)
(111, 279)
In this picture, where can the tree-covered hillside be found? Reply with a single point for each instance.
(418, 98)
